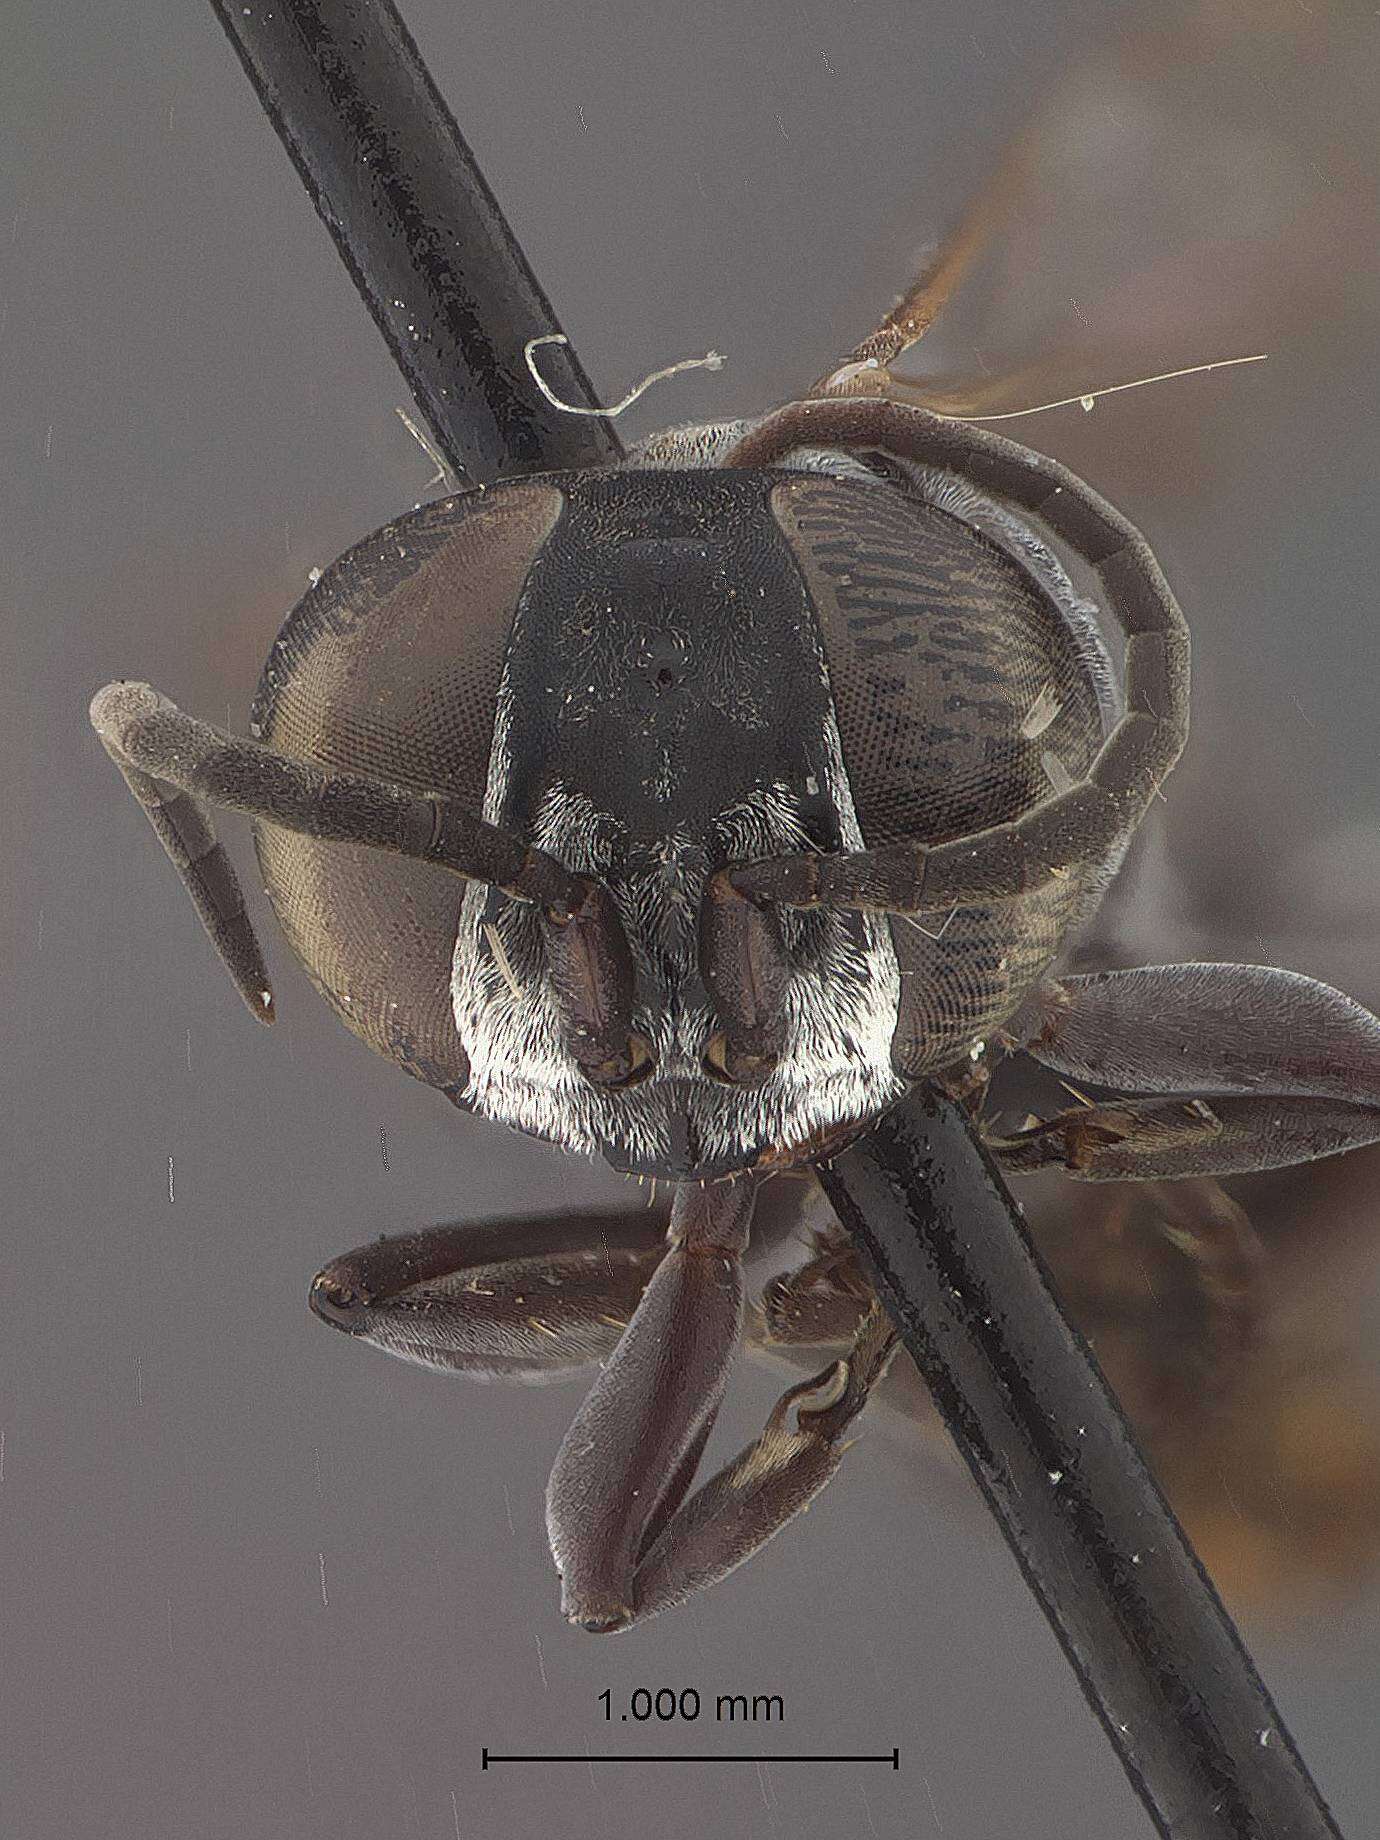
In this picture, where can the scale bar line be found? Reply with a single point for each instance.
(892, 1757)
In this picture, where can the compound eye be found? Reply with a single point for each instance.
(620, 1071)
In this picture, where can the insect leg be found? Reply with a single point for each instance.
(922, 303)
(629, 1456)
(821, 1302)
(771, 1481)
(526, 1299)
(1225, 1069)
(1165, 1139)
(1207, 1028)
(1213, 1232)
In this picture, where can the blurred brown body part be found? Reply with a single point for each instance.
(1240, 1357)
(1201, 187)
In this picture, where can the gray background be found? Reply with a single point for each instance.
(258, 1581)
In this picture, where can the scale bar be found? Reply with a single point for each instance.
(491, 1757)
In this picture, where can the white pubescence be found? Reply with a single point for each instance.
(840, 1005)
